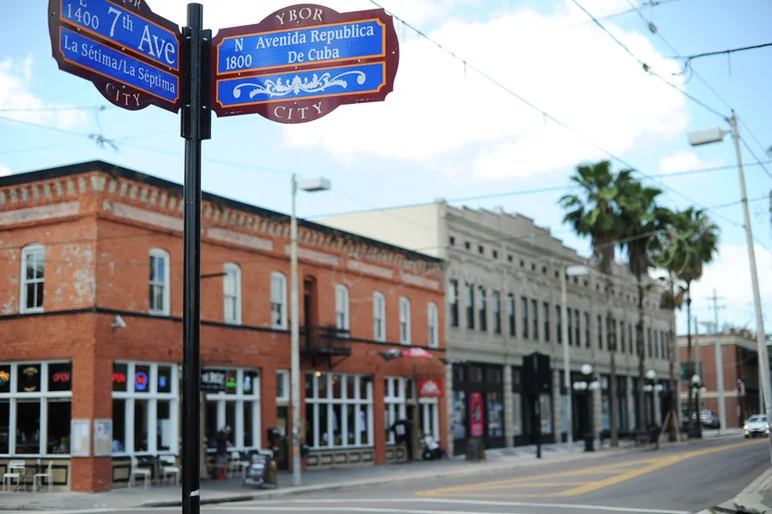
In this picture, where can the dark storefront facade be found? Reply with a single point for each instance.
(525, 413)
(478, 405)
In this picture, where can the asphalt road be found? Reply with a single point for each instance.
(676, 480)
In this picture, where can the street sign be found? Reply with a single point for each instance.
(129, 53)
(302, 62)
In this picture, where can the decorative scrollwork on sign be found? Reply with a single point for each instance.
(297, 85)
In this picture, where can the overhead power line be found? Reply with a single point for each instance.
(690, 58)
(652, 4)
(64, 108)
(552, 118)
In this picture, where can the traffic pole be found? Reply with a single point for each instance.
(196, 124)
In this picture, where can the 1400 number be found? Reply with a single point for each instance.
(84, 17)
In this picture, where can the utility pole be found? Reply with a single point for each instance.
(719, 362)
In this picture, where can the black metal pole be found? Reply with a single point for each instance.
(195, 126)
(537, 408)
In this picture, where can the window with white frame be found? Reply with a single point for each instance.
(434, 338)
(238, 406)
(339, 410)
(404, 320)
(379, 317)
(278, 300)
(158, 301)
(342, 319)
(282, 386)
(394, 404)
(145, 419)
(35, 408)
(232, 293)
(33, 263)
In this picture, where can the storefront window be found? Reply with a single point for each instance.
(35, 404)
(459, 415)
(238, 406)
(394, 404)
(517, 414)
(144, 408)
(327, 412)
(545, 411)
(495, 414)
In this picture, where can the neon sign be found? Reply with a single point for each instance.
(119, 378)
(140, 381)
(61, 377)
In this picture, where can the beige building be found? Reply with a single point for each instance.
(503, 295)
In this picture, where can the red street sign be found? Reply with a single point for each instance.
(302, 62)
(429, 388)
(130, 54)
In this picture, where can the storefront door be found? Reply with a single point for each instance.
(282, 423)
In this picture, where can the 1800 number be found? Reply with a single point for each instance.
(238, 62)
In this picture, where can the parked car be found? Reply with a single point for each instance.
(756, 425)
(709, 419)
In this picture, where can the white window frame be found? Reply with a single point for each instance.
(395, 404)
(379, 317)
(43, 396)
(431, 418)
(28, 251)
(232, 270)
(433, 324)
(405, 328)
(158, 253)
(240, 398)
(317, 403)
(283, 377)
(279, 299)
(342, 309)
(152, 396)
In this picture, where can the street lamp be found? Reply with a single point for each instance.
(695, 429)
(309, 185)
(716, 135)
(586, 387)
(650, 387)
(570, 271)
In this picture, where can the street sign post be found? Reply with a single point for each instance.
(297, 65)
(129, 53)
(302, 62)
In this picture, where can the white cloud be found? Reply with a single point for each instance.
(5, 171)
(16, 77)
(579, 75)
(685, 160)
(730, 276)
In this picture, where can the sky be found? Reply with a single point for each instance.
(460, 122)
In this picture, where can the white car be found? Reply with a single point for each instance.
(756, 425)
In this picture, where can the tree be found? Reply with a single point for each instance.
(642, 218)
(694, 244)
(595, 212)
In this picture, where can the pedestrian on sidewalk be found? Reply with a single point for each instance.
(403, 432)
(221, 459)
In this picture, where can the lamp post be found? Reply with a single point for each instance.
(308, 185)
(696, 385)
(715, 135)
(570, 271)
(587, 386)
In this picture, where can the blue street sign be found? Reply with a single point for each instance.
(355, 79)
(362, 39)
(136, 34)
(100, 59)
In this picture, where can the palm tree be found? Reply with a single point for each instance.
(695, 246)
(594, 212)
(642, 219)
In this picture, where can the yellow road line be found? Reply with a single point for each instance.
(619, 475)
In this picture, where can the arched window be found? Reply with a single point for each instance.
(404, 320)
(158, 302)
(379, 317)
(232, 293)
(278, 300)
(342, 319)
(33, 264)
(434, 331)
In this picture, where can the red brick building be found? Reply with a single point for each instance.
(91, 332)
(740, 362)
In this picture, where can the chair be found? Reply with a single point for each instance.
(48, 476)
(13, 471)
(135, 471)
(237, 464)
(169, 468)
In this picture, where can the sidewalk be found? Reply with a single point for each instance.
(754, 499)
(232, 490)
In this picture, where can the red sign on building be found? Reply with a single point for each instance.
(476, 423)
(429, 388)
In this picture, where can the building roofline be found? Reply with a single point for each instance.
(114, 170)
